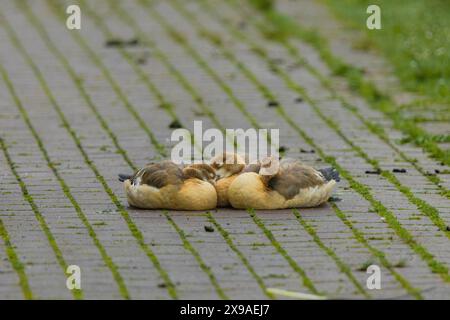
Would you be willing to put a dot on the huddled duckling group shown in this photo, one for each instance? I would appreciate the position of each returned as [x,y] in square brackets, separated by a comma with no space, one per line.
[228,180]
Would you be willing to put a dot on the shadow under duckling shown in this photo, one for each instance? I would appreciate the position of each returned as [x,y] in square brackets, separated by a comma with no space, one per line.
[227,166]
[291,185]
[166,185]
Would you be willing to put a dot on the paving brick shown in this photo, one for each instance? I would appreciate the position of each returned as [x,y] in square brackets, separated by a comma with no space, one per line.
[113,117]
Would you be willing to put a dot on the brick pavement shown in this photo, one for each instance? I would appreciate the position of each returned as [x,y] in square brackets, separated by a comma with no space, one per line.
[74,113]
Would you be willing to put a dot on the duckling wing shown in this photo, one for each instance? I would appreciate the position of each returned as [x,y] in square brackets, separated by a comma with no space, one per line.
[158,175]
[294,176]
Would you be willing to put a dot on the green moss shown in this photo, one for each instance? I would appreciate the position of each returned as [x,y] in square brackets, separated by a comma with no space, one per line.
[264,5]
[276,276]
[206,110]
[281,27]
[363,267]
[197,256]
[372,127]
[13,258]
[360,188]
[419,52]
[341,265]
[99,224]
[27,196]
[201,62]
[133,228]
[258,244]
[364,191]
[307,282]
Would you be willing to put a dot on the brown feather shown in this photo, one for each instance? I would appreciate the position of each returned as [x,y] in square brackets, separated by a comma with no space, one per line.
[294,176]
[159,175]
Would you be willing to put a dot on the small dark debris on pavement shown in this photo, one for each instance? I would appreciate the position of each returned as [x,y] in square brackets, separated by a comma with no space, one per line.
[111,43]
[294,66]
[209,229]
[175,124]
[282,149]
[133,42]
[334,199]
[447,228]
[162,285]
[377,171]
[141,60]
[307,151]
[399,170]
[299,99]
[272,104]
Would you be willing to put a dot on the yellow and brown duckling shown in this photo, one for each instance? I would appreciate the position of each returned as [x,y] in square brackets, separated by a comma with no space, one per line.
[292,185]
[227,167]
[166,185]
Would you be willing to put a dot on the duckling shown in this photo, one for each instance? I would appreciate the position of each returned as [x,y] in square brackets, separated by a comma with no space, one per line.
[293,184]
[165,185]
[227,167]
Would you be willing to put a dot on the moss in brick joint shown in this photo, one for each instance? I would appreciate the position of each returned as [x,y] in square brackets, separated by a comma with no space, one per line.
[374,128]
[168,107]
[217,79]
[78,294]
[17,265]
[133,228]
[241,256]
[421,205]
[80,213]
[197,257]
[283,27]
[341,265]
[181,79]
[171,31]
[307,138]
[199,60]
[307,282]
[376,253]
[115,86]
[434,265]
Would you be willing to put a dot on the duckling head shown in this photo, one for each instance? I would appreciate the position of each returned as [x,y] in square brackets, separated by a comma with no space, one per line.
[201,171]
[227,164]
[269,167]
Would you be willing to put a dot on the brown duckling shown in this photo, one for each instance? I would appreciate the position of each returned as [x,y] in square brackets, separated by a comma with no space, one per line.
[292,185]
[166,185]
[227,167]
